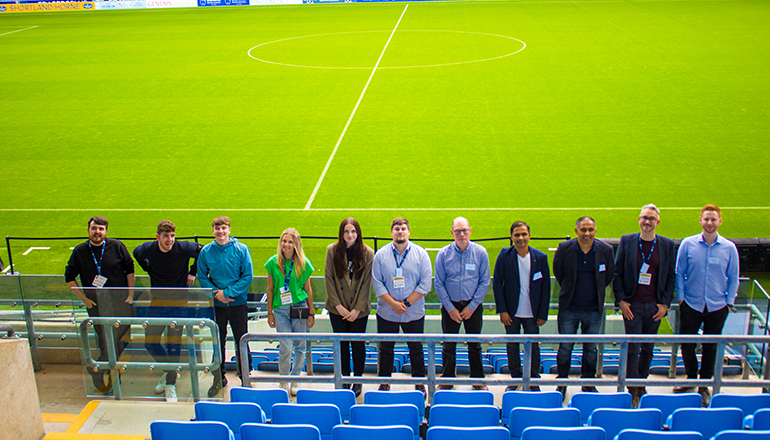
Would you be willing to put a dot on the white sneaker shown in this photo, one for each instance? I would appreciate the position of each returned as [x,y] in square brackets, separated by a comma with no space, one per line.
[285,386]
[171,394]
[160,388]
[294,388]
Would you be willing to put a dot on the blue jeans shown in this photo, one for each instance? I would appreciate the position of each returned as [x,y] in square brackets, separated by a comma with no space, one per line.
[284,324]
[589,321]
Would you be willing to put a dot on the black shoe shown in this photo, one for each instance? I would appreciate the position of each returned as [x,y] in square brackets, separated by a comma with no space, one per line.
[357,389]
[589,389]
[217,385]
[346,386]
[421,387]
[384,387]
[679,390]
[511,388]
[534,388]
[563,390]
[636,394]
[706,395]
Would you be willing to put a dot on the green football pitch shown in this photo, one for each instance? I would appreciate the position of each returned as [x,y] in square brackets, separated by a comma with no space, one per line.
[300,116]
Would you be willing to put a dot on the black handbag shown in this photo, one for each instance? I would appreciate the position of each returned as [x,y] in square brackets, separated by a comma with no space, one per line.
[299,312]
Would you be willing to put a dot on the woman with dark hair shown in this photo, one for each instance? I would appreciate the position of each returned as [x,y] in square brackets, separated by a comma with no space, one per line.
[348,277]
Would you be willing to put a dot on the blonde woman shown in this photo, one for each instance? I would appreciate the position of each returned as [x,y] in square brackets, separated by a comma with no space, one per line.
[348,276]
[288,287]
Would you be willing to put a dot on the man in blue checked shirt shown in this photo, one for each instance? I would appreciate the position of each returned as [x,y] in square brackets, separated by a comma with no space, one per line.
[401,277]
[707,270]
[462,281]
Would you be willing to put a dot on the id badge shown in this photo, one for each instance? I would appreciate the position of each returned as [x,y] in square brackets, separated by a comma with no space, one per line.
[470,266]
[285,296]
[399,282]
[645,279]
[99,281]
[645,268]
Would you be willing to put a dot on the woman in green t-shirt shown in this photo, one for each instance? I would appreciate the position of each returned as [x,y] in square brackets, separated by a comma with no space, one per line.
[288,284]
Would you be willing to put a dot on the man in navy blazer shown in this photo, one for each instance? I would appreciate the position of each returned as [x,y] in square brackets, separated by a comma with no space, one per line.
[584,268]
[522,305]
[645,278]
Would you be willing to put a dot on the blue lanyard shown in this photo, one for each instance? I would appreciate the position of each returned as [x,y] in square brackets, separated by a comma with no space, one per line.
[98,263]
[395,257]
[644,260]
[287,277]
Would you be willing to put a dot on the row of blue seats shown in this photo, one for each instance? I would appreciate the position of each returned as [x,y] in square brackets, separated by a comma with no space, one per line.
[326,418]
[179,430]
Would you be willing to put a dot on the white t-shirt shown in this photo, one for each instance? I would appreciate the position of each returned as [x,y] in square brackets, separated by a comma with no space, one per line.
[525,305]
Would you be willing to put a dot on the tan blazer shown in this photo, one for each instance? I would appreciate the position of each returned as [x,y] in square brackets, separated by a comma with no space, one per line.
[353,295]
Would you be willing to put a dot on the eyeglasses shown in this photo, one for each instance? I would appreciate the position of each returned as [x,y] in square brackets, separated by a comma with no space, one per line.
[461,231]
[649,219]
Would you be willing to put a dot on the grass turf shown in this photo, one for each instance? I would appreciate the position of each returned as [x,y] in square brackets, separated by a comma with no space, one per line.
[610,105]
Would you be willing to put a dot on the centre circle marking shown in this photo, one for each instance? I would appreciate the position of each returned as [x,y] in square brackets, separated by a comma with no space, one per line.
[523,46]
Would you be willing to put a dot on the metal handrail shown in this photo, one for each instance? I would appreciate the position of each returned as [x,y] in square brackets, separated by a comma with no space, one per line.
[113,364]
[527,340]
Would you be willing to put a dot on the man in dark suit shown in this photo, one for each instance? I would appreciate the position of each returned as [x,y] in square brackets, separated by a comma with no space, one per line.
[644,282]
[522,305]
[583,267]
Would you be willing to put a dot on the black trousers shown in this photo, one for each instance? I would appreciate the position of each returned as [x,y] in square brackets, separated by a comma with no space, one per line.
[690,321]
[529,325]
[238,318]
[449,349]
[339,325]
[415,348]
[640,355]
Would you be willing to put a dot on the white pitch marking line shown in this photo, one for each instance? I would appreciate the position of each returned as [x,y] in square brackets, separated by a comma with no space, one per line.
[6,269]
[344,130]
[36,249]
[13,32]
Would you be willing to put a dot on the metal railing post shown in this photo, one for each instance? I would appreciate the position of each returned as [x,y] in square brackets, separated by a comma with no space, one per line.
[336,351]
[526,373]
[622,362]
[718,366]
[431,370]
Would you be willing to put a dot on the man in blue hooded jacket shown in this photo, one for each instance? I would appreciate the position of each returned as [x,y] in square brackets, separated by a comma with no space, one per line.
[225,266]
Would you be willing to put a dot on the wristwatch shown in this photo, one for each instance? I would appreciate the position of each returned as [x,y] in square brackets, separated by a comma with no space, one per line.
[407,303]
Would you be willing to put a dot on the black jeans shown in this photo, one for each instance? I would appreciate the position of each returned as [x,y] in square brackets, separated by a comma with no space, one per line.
[238,317]
[339,325]
[529,325]
[690,321]
[449,350]
[640,355]
[415,348]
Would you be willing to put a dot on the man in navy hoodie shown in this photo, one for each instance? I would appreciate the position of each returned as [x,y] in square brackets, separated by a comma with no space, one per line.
[225,266]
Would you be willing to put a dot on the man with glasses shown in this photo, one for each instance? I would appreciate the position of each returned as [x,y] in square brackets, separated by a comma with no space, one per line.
[707,270]
[522,285]
[401,277]
[462,281]
[583,267]
[644,283]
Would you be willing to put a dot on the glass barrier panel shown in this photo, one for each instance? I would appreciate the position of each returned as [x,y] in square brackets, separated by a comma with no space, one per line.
[146,342]
[50,305]
[11,306]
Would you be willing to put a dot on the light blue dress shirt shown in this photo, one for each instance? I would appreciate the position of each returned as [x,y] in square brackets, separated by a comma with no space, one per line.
[417,274]
[707,276]
[462,276]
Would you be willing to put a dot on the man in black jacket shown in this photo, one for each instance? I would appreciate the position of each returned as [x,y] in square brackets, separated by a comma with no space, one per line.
[584,268]
[644,282]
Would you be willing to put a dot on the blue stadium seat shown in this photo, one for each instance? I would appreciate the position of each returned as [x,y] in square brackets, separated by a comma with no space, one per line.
[739,434]
[342,398]
[640,434]
[588,402]
[382,415]
[514,399]
[614,420]
[464,415]
[522,418]
[233,414]
[183,430]
[264,397]
[452,397]
[321,415]
[707,421]
[351,432]
[668,403]
[476,433]
[748,403]
[254,431]
[760,420]
[413,397]
[577,433]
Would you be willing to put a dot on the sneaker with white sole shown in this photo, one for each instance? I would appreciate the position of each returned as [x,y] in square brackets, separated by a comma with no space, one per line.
[171,394]
[160,388]
[294,389]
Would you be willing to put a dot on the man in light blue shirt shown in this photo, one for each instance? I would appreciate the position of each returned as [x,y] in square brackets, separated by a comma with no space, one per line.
[401,277]
[462,281]
[707,270]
